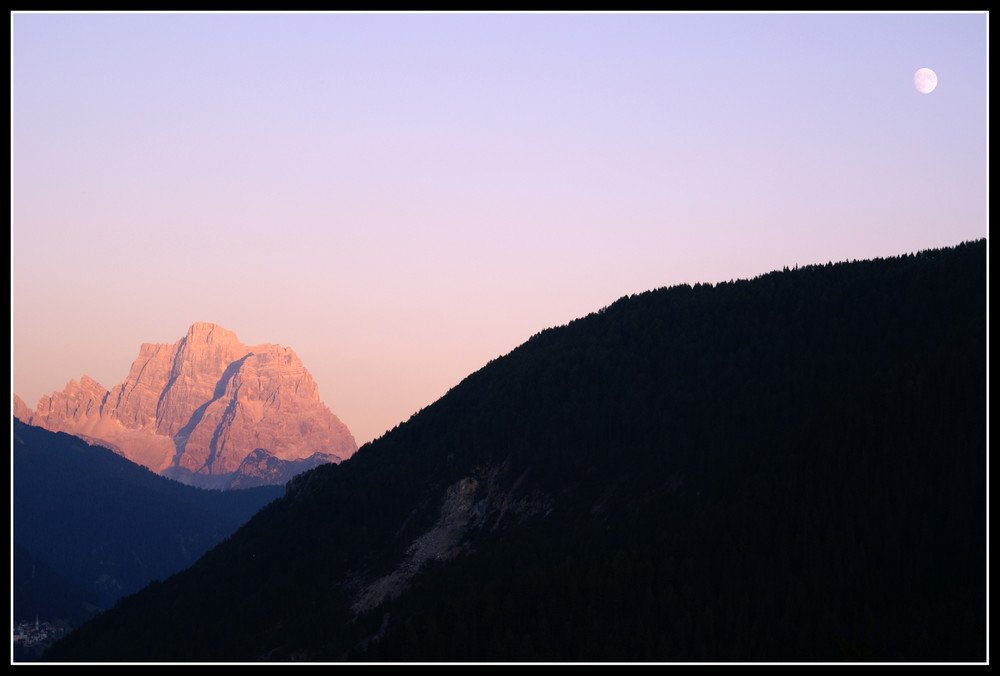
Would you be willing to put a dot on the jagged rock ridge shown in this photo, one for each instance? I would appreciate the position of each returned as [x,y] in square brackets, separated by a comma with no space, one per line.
[261,468]
[196,409]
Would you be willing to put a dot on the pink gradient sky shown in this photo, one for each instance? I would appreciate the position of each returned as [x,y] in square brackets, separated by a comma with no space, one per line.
[401,198]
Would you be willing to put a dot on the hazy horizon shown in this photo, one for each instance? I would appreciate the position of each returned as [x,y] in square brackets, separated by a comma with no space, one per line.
[400,198]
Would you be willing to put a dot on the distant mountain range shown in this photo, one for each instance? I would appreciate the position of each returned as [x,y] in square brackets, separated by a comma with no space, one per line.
[90,526]
[195,411]
[789,468]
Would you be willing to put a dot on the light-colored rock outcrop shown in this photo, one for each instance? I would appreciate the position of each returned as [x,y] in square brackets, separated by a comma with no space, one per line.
[76,408]
[199,407]
[472,503]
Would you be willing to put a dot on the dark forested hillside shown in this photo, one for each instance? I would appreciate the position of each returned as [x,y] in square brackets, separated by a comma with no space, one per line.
[787,468]
[105,525]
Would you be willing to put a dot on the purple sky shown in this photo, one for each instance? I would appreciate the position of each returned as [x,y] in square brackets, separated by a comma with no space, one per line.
[401,198]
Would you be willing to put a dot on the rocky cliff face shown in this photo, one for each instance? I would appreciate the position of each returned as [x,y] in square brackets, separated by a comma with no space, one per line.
[21,410]
[196,409]
[76,409]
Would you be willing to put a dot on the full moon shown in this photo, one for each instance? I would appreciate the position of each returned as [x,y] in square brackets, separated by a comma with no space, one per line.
[925,80]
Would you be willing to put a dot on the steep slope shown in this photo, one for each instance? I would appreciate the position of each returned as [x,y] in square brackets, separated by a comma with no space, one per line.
[38,591]
[105,524]
[195,409]
[757,470]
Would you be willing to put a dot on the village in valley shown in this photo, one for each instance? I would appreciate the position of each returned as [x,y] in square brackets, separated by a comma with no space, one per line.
[35,636]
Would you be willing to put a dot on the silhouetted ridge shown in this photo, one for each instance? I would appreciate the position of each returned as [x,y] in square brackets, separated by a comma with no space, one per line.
[749,471]
[105,524]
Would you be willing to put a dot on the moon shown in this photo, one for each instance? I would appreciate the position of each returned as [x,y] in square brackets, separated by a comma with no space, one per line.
[925,80]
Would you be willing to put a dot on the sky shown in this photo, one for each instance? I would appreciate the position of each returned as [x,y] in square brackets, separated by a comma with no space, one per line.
[401,198]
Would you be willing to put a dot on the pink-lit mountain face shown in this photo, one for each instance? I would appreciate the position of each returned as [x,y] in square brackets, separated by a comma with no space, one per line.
[196,409]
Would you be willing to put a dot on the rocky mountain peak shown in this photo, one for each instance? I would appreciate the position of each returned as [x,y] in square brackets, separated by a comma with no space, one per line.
[21,410]
[197,408]
[73,409]
[207,332]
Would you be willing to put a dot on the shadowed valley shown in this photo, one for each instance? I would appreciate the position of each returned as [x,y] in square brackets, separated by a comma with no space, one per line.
[89,526]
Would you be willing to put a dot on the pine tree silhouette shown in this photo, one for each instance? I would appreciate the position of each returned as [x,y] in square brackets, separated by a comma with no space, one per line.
[849,652]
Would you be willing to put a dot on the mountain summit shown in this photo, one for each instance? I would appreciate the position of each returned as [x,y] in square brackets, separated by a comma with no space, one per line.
[196,409]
